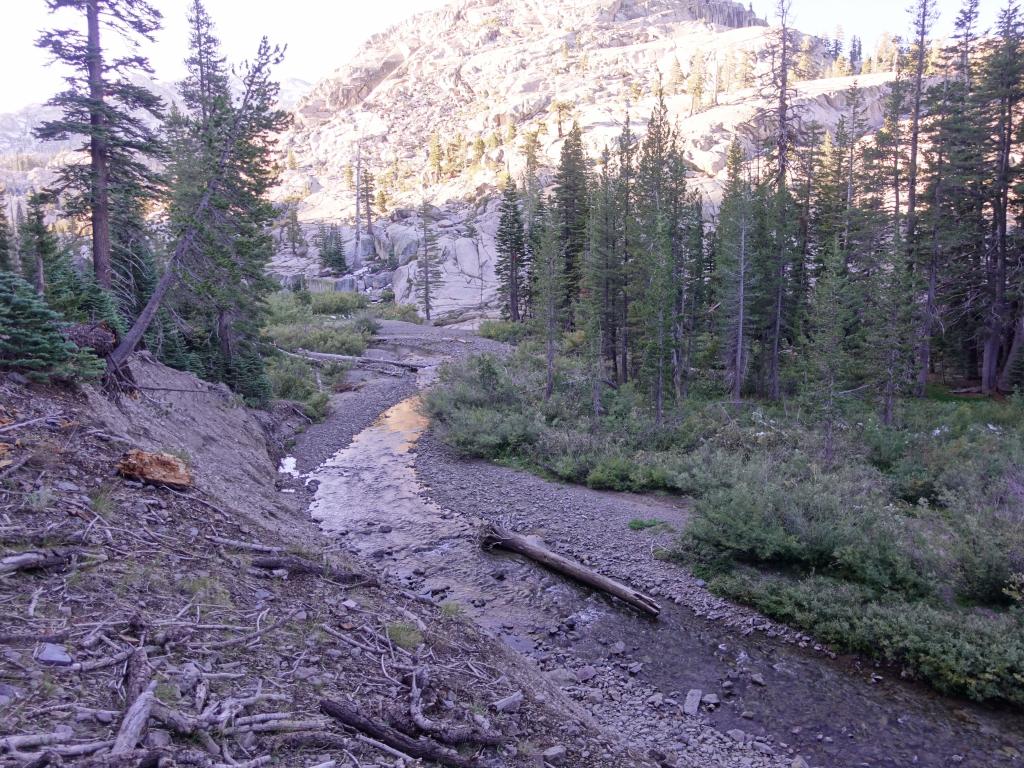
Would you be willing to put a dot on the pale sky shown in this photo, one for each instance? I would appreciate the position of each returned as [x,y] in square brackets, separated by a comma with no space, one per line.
[322,34]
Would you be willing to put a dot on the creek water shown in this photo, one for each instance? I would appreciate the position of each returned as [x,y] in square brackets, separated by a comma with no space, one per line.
[833,712]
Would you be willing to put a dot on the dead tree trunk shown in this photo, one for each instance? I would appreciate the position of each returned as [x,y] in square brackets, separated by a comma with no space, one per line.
[493,536]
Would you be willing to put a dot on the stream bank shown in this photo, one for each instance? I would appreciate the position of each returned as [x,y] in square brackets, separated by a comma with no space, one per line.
[397,497]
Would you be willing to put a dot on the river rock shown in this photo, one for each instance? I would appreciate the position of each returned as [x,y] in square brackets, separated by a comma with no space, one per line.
[692,704]
[757,679]
[53,655]
[554,755]
[711,700]
[736,734]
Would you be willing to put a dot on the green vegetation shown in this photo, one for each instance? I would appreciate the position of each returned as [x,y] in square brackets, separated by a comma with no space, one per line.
[319,322]
[901,541]
[643,525]
[503,330]
[404,635]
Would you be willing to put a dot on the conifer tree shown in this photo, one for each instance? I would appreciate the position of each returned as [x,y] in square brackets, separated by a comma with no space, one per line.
[221,142]
[30,336]
[549,268]
[697,81]
[429,277]
[676,79]
[511,267]
[332,249]
[734,273]
[104,104]
[39,248]
[6,246]
[570,210]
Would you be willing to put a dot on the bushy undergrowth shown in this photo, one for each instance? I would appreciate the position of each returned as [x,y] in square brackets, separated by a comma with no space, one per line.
[389,310]
[311,322]
[903,542]
[503,330]
[295,379]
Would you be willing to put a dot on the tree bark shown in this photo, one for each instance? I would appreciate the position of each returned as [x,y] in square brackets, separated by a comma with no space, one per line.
[99,152]
[494,536]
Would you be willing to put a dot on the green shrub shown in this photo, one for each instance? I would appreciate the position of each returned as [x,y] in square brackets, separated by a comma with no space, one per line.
[388,310]
[335,339]
[959,652]
[288,308]
[340,303]
[643,525]
[503,330]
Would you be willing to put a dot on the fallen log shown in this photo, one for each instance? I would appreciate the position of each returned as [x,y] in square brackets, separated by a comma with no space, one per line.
[368,362]
[37,560]
[295,564]
[348,714]
[495,536]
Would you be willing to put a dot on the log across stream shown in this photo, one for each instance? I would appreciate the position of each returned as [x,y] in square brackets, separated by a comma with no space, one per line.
[424,532]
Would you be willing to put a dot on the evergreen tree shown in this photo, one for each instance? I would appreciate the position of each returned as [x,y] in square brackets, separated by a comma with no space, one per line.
[6,246]
[676,80]
[30,336]
[510,267]
[549,268]
[221,142]
[39,248]
[697,81]
[429,277]
[332,249]
[368,193]
[570,210]
[734,273]
[104,104]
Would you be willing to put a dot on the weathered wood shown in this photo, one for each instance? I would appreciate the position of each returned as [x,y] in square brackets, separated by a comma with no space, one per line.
[495,536]
[348,714]
[136,718]
[36,560]
[510,703]
[448,733]
[355,360]
[295,564]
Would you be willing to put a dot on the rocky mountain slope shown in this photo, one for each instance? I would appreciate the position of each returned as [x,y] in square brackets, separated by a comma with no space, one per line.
[489,72]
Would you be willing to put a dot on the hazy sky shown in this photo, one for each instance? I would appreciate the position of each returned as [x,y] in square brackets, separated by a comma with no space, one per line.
[322,34]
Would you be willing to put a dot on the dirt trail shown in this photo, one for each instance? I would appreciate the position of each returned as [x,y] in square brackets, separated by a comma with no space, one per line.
[397,497]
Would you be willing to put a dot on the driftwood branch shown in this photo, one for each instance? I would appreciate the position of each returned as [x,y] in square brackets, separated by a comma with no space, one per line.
[364,362]
[495,536]
[136,718]
[36,560]
[300,565]
[424,748]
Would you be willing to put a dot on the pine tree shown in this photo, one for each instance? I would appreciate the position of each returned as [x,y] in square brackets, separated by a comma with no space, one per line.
[30,336]
[6,246]
[368,193]
[549,269]
[697,81]
[39,247]
[734,273]
[429,276]
[676,80]
[332,249]
[104,104]
[571,202]
[222,142]
[510,267]
[435,156]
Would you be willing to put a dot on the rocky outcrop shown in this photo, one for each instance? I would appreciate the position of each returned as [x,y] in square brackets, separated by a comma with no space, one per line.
[492,70]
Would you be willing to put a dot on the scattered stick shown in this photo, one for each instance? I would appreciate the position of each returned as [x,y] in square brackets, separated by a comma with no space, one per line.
[20,424]
[495,536]
[300,565]
[455,735]
[424,748]
[367,362]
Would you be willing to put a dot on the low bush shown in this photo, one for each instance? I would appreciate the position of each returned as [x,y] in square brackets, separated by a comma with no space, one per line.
[339,303]
[333,338]
[964,653]
[388,310]
[503,330]
[904,542]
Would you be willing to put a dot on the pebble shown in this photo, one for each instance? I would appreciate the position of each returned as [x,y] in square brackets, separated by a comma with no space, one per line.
[618,649]
[736,734]
[711,700]
[757,679]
